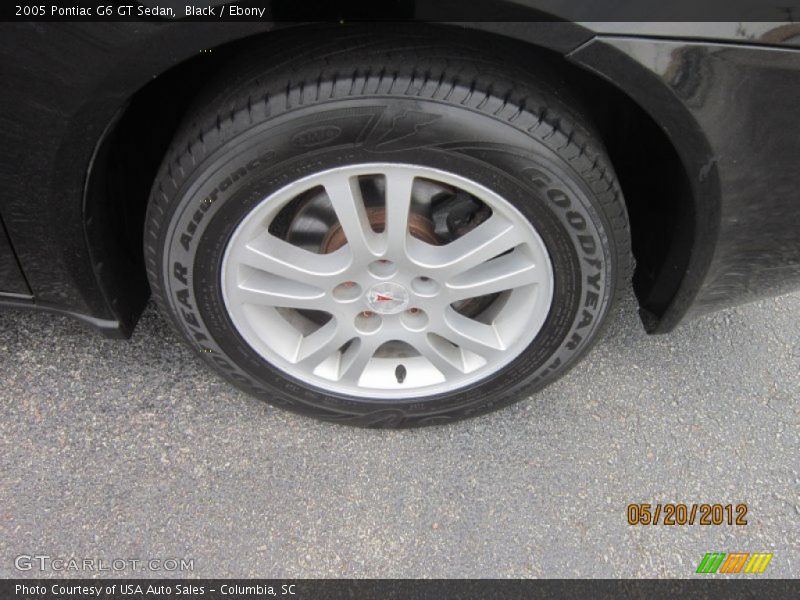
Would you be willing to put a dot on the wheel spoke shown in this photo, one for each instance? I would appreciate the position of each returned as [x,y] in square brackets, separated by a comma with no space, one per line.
[273,255]
[398,202]
[321,344]
[356,359]
[469,334]
[506,272]
[279,292]
[447,359]
[345,196]
[488,240]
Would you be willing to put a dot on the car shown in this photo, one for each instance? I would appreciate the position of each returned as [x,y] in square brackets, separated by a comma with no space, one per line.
[402,223]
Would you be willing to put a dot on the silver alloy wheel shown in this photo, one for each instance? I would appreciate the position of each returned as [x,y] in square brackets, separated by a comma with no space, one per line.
[379,316]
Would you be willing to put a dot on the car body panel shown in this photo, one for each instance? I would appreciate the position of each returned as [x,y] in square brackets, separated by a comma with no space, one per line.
[745,103]
[766,33]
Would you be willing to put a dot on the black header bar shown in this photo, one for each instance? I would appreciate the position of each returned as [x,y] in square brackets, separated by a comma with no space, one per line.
[784,11]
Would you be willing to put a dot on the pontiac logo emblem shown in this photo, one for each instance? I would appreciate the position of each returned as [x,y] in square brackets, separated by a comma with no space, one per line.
[387,298]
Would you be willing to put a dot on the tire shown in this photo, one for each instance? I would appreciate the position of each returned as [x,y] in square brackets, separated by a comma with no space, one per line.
[355,99]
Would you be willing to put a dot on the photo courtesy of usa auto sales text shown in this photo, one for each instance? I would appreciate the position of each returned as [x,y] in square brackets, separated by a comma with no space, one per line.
[60,589]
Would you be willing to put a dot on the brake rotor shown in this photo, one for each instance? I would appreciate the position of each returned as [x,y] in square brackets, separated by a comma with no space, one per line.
[419,227]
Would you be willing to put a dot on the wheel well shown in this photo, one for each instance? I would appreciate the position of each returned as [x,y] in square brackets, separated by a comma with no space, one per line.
[658,193]
[652,177]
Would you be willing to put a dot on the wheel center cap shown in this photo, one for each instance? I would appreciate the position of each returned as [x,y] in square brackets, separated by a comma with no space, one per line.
[387,298]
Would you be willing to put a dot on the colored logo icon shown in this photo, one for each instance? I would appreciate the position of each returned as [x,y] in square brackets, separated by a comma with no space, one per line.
[734,562]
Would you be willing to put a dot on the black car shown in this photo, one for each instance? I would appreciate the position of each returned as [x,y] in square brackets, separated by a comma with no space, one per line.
[396,224]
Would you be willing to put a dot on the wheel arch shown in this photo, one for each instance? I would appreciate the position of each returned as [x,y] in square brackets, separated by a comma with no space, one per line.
[662,202]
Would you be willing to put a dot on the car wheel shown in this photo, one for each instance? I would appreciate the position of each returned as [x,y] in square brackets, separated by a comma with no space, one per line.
[383,234]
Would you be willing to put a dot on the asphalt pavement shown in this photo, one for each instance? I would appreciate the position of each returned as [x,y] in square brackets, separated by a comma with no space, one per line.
[133,451]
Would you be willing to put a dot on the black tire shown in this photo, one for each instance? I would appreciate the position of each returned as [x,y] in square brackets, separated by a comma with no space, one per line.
[360,98]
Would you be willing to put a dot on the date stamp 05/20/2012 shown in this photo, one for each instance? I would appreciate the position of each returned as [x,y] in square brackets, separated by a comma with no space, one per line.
[687,514]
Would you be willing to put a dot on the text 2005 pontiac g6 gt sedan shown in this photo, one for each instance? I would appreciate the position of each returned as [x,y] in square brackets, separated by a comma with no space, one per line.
[396,224]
